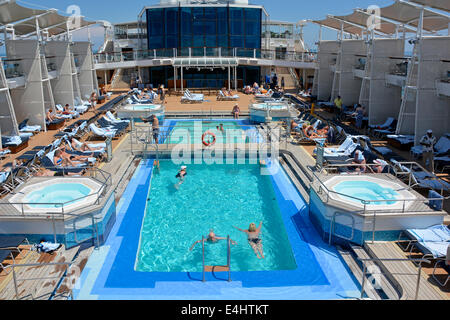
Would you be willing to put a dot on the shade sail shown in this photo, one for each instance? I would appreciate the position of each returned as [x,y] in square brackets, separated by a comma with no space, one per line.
[11,12]
[436,4]
[409,14]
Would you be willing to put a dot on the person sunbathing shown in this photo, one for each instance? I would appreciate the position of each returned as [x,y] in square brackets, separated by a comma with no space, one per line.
[52,117]
[311,133]
[60,160]
[74,159]
[81,146]
[67,111]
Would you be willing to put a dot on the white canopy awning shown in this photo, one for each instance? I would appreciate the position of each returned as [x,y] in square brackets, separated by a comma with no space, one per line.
[437,4]
[336,24]
[409,14]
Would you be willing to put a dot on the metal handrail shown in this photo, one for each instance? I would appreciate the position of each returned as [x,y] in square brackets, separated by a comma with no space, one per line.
[333,222]
[421,260]
[98,194]
[13,266]
[228,258]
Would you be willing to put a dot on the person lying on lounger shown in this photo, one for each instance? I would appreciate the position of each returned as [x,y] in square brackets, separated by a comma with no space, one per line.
[50,117]
[82,146]
[212,238]
[73,157]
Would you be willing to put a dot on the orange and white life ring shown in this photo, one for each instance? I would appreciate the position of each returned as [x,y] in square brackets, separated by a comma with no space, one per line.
[209,143]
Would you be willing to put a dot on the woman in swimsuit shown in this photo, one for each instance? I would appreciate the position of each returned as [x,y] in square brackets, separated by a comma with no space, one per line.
[254,240]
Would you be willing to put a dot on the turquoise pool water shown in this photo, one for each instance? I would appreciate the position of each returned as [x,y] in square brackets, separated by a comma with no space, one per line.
[57,193]
[212,197]
[367,190]
[195,129]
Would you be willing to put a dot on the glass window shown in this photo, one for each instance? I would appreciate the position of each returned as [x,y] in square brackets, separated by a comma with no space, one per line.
[172,21]
[198,41]
[237,41]
[156,42]
[172,42]
[236,14]
[236,27]
[222,14]
[252,42]
[251,28]
[197,14]
[222,42]
[186,41]
[252,14]
[211,41]
[222,27]
[210,14]
[209,27]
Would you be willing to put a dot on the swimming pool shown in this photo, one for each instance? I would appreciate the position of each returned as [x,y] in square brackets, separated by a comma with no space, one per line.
[112,271]
[192,131]
[212,197]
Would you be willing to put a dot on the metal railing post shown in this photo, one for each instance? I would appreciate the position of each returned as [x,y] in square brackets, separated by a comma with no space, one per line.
[54,228]
[203,258]
[373,228]
[15,282]
[363,279]
[418,281]
[229,258]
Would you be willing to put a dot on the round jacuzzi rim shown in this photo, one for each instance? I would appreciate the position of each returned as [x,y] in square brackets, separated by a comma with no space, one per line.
[36,185]
[402,194]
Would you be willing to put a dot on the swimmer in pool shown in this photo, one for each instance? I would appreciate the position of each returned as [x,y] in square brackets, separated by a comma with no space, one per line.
[180,176]
[254,239]
[211,238]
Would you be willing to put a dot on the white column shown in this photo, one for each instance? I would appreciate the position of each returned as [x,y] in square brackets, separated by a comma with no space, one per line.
[182,85]
[229,78]
[175,78]
[235,79]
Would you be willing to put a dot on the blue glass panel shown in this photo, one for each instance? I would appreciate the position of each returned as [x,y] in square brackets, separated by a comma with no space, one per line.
[222,13]
[186,41]
[211,41]
[252,28]
[172,21]
[236,14]
[236,27]
[222,27]
[222,41]
[237,41]
[252,14]
[197,13]
[198,42]
[156,42]
[252,42]
[209,27]
[210,13]
[171,41]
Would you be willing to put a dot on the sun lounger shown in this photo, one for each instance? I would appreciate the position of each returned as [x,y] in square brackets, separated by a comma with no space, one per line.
[47,162]
[446,266]
[8,244]
[223,97]
[23,127]
[441,148]
[14,143]
[91,145]
[102,132]
[389,121]
[113,119]
[188,97]
[402,142]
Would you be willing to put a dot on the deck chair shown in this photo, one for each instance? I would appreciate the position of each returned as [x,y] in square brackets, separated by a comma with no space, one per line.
[446,265]
[102,132]
[190,98]
[113,119]
[65,116]
[91,145]
[47,162]
[97,154]
[23,127]
[222,97]
[389,121]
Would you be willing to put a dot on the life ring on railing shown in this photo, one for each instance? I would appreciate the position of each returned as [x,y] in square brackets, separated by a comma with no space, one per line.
[209,143]
[307,129]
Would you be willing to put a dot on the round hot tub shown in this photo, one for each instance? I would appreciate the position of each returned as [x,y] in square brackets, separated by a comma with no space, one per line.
[52,195]
[373,192]
[275,110]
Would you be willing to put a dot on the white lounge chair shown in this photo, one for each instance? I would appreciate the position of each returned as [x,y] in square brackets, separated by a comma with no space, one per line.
[223,97]
[113,119]
[102,132]
[190,98]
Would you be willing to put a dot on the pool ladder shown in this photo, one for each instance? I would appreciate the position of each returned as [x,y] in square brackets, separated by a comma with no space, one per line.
[220,268]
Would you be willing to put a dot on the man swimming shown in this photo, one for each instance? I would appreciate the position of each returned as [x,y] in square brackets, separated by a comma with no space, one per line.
[211,238]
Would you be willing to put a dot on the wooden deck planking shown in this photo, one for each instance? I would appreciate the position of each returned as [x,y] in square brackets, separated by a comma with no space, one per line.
[404,272]
[40,287]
